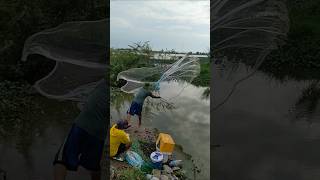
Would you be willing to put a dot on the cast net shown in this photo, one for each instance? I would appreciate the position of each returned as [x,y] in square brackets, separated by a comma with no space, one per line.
[79,50]
[182,71]
[243,32]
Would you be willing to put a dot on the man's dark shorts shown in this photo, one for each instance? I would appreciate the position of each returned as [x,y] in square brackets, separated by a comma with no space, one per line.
[80,148]
[135,108]
[121,149]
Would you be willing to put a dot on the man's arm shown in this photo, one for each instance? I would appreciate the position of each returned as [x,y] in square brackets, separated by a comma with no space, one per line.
[125,139]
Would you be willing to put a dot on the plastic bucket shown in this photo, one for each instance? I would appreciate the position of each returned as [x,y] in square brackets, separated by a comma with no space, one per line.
[156,158]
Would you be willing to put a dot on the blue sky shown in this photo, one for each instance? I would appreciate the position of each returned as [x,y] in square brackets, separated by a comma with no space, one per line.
[180,25]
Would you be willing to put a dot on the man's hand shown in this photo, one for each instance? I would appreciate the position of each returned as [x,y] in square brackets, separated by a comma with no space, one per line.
[154,96]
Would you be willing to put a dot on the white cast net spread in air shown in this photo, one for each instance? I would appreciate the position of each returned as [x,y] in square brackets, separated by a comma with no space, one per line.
[184,70]
[243,33]
[79,50]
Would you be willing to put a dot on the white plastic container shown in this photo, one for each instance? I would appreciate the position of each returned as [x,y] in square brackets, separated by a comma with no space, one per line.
[156,158]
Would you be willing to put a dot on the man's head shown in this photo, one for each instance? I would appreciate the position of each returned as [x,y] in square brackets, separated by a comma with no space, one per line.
[122,124]
[147,85]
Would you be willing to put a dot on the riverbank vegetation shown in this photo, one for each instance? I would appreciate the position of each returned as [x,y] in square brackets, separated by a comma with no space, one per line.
[140,56]
[20,19]
[299,57]
[204,77]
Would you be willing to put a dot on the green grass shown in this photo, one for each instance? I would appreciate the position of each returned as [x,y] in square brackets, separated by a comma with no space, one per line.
[130,173]
[204,77]
[136,148]
[134,173]
[123,60]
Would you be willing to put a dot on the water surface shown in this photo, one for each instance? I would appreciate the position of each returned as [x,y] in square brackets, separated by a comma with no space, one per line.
[29,156]
[188,123]
[267,129]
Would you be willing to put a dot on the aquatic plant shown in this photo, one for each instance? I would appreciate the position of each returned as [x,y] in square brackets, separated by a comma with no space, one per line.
[306,106]
[206,93]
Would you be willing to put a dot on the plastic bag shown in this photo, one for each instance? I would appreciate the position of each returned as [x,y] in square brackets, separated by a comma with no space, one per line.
[134,159]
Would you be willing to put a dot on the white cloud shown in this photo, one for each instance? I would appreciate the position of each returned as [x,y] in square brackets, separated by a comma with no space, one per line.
[117,22]
[180,25]
[189,12]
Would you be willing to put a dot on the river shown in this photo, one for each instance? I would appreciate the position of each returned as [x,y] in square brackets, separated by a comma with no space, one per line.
[268,129]
[29,154]
[188,123]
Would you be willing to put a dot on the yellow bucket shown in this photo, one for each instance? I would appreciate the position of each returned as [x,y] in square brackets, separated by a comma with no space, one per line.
[165,144]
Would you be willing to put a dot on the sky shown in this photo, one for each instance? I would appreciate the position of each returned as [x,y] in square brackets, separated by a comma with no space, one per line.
[180,25]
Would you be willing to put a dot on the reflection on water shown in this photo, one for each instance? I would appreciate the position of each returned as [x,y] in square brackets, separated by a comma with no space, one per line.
[188,120]
[29,154]
[306,108]
[264,129]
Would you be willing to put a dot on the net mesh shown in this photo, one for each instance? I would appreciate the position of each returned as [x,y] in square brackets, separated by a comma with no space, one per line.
[79,50]
[243,32]
[183,70]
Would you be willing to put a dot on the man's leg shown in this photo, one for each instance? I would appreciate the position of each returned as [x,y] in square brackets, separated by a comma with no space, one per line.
[91,156]
[95,175]
[67,155]
[139,121]
[60,172]
[130,112]
[123,148]
[139,113]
